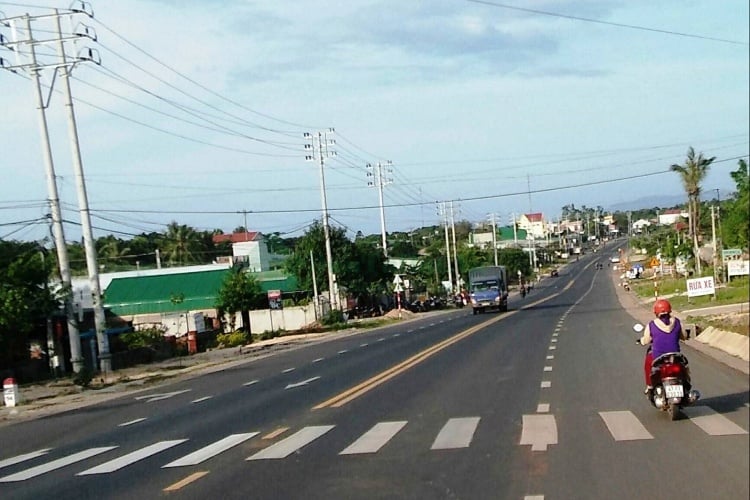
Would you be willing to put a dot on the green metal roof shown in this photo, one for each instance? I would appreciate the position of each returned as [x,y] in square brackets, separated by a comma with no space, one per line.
[179,292]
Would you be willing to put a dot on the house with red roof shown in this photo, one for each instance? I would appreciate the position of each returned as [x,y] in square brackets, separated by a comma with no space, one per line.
[533,224]
[248,247]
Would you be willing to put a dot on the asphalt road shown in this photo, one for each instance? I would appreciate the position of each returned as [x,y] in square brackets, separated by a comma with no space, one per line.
[544,401]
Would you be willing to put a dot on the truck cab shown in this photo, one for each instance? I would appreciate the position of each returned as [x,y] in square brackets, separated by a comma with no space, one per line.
[488,288]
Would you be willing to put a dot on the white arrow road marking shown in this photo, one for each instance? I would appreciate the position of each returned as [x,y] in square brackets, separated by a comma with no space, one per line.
[159,397]
[712,423]
[304,382]
[624,426]
[539,431]
[22,458]
[456,433]
[287,446]
[211,450]
[130,458]
[55,464]
[125,424]
[374,439]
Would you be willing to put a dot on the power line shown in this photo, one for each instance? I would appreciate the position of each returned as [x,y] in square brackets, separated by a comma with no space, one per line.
[608,23]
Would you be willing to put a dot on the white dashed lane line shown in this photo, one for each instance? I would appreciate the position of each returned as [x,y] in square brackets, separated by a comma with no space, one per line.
[248,384]
[200,400]
[125,424]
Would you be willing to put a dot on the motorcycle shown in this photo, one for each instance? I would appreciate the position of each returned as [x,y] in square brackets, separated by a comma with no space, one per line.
[670,379]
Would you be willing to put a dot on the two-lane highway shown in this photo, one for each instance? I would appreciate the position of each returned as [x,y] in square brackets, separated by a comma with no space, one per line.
[544,401]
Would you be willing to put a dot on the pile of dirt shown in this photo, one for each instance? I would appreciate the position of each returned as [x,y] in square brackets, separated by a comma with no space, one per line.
[394,314]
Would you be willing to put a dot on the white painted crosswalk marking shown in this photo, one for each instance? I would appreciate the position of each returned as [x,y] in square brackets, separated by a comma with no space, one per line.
[211,450]
[374,439]
[624,426]
[539,431]
[131,458]
[22,458]
[55,464]
[712,423]
[287,446]
[456,433]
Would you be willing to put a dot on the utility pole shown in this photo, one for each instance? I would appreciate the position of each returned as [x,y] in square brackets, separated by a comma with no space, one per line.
[379,182]
[444,215]
[515,230]
[455,249]
[105,358]
[34,68]
[713,237]
[319,148]
[494,236]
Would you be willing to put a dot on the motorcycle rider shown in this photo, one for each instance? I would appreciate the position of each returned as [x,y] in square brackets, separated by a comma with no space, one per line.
[664,334]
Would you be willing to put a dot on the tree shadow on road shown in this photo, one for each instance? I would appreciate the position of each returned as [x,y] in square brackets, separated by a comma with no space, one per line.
[726,403]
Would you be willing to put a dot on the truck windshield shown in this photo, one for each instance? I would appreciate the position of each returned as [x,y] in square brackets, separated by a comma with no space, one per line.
[483,286]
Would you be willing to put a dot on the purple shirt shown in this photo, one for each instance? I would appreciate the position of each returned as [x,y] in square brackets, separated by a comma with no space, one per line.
[663,341]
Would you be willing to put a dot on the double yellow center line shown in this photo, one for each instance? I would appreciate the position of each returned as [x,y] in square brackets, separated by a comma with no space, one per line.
[369,384]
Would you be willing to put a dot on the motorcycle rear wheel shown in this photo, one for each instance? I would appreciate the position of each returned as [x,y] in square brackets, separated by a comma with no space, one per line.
[674,412]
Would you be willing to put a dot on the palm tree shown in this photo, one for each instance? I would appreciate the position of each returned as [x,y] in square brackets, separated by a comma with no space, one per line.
[692,173]
[180,243]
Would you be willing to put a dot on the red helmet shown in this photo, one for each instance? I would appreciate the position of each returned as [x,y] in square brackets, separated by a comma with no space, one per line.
[662,306]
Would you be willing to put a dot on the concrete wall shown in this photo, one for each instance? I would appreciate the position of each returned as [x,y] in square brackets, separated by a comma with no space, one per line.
[291,318]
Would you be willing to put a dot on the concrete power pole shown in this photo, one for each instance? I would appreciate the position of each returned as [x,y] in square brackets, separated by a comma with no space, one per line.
[455,250]
[34,69]
[494,236]
[444,215]
[320,151]
[105,358]
[379,182]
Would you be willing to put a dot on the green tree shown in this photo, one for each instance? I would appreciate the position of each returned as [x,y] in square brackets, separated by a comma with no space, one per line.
[241,292]
[25,299]
[181,244]
[692,173]
[736,222]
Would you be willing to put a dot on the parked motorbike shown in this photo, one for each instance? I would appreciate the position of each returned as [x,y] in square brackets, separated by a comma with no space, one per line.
[670,379]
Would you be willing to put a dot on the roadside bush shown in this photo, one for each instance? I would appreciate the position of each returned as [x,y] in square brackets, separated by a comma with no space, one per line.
[232,339]
[333,318]
[147,337]
[271,335]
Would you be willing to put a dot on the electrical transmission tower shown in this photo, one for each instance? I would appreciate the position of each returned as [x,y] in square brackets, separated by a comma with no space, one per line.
[380,180]
[319,146]
[27,62]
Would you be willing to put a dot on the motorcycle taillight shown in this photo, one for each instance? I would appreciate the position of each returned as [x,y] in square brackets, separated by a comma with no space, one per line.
[671,370]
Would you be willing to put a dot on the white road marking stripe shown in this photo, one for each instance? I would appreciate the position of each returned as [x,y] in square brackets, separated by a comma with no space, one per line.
[551,356]
[624,426]
[363,345]
[374,439]
[287,370]
[398,334]
[555,334]
[552,347]
[547,368]
[130,458]
[287,446]
[533,497]
[200,400]
[211,450]
[553,340]
[456,433]
[342,352]
[539,431]
[125,424]
[381,339]
[712,423]
[318,360]
[22,458]
[546,384]
[55,464]
[542,408]
[158,397]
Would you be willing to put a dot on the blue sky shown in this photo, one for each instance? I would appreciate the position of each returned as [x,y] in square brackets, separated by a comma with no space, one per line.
[197,110]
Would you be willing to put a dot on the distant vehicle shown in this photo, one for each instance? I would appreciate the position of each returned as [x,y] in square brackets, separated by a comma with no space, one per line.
[488,288]
[614,259]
